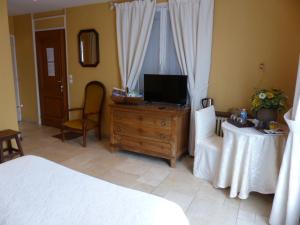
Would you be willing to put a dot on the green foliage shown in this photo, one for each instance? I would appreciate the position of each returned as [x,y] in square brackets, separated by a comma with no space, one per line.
[269,99]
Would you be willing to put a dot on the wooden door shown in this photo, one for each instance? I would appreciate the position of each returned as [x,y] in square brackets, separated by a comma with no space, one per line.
[51,60]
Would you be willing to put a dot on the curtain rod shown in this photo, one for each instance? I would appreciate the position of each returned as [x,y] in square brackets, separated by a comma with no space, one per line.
[113,2]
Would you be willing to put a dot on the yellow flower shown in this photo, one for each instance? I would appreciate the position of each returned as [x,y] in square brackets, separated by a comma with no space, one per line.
[262,95]
[256,102]
[270,95]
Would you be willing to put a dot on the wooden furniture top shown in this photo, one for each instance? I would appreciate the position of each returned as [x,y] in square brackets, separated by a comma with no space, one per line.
[7,134]
[157,107]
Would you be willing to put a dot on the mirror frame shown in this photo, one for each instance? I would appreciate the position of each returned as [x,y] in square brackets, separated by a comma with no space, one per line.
[97,48]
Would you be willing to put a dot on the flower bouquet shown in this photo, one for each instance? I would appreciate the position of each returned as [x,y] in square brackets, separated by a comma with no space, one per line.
[266,104]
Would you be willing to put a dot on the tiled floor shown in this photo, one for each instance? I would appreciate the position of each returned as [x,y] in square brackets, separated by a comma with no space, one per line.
[203,204]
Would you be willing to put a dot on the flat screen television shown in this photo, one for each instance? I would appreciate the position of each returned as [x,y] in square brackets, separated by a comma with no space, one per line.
[165,88]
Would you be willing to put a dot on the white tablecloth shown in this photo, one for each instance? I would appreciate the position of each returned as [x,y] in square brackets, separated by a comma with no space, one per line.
[250,161]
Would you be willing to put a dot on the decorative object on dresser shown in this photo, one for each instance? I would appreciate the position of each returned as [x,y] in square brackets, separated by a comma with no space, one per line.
[5,137]
[122,96]
[159,130]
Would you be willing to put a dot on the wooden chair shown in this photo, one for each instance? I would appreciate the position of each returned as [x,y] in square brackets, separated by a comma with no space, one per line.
[91,112]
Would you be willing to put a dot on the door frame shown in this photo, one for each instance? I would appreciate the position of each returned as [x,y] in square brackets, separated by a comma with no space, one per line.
[16,78]
[34,30]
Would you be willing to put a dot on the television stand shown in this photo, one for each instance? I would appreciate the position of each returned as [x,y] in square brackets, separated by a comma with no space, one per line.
[159,130]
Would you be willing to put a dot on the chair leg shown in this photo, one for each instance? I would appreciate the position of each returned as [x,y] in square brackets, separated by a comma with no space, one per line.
[62,134]
[84,138]
[99,133]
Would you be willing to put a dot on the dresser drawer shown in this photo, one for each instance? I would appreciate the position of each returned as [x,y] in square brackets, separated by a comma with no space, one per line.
[157,130]
[140,145]
[138,130]
[142,119]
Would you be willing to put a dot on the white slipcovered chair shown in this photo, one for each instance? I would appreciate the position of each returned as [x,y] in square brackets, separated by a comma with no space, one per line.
[208,145]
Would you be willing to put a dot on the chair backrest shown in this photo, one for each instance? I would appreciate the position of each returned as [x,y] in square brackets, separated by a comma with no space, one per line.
[205,120]
[93,99]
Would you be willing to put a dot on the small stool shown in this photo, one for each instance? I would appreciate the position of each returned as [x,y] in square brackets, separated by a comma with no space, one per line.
[7,136]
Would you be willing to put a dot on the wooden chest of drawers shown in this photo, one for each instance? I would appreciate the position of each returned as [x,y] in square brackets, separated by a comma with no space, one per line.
[157,130]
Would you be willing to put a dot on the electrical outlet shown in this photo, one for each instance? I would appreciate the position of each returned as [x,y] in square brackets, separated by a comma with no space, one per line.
[70,79]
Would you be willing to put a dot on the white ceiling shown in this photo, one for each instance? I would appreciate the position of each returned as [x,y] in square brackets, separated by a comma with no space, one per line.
[19,7]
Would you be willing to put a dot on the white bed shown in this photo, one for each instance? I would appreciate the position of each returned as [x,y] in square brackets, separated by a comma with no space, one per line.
[35,191]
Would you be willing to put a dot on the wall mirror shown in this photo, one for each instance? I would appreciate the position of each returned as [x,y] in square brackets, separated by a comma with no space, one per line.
[88,45]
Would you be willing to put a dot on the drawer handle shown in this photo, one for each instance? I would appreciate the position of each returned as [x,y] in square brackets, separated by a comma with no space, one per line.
[163,123]
[162,136]
[118,129]
[118,138]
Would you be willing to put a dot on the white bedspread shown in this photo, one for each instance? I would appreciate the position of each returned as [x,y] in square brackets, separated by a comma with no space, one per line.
[35,191]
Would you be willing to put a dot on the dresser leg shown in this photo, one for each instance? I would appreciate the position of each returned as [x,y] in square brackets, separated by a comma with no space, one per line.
[173,162]
[113,149]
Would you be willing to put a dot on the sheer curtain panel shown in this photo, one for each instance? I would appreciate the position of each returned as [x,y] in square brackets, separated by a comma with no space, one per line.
[161,55]
[192,24]
[286,204]
[134,23]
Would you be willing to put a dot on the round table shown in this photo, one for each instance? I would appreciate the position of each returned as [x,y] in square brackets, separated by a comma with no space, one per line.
[250,161]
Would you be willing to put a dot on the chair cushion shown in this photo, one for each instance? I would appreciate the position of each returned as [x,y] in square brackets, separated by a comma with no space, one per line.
[212,143]
[207,157]
[77,124]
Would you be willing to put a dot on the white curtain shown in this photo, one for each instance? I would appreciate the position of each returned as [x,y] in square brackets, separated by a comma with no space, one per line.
[286,204]
[134,23]
[192,25]
[161,55]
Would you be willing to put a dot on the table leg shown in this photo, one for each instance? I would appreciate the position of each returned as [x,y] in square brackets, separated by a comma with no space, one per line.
[19,146]
[1,152]
[9,148]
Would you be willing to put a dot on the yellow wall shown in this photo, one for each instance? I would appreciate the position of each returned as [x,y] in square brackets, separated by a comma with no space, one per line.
[246,33]
[101,18]
[25,61]
[8,115]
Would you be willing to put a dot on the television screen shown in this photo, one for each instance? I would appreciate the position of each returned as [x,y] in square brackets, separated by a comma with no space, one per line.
[165,88]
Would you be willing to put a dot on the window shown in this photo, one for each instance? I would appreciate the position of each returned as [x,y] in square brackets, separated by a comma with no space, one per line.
[161,55]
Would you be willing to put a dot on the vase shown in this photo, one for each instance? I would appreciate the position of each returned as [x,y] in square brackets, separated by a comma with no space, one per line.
[265,116]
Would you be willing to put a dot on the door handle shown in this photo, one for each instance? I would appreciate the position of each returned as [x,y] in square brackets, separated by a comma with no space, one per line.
[61,86]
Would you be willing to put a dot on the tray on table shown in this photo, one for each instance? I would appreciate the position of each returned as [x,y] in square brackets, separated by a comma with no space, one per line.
[240,125]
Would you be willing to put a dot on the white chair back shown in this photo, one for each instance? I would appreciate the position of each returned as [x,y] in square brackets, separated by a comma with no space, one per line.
[205,123]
